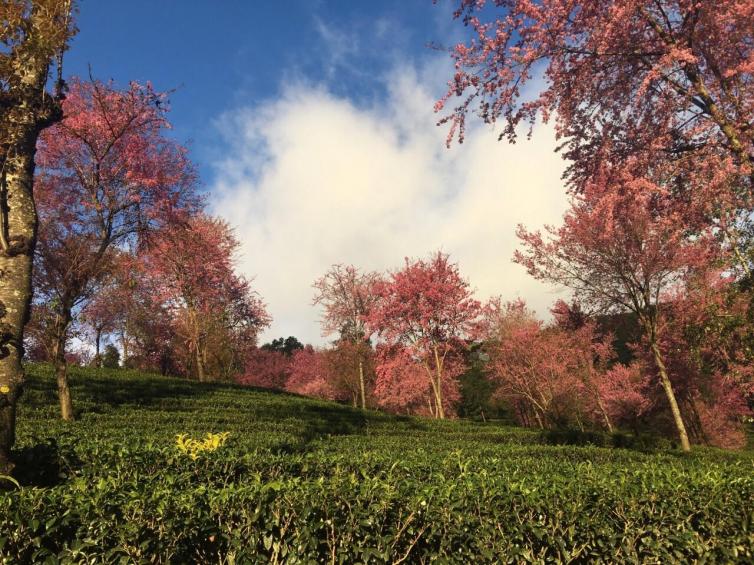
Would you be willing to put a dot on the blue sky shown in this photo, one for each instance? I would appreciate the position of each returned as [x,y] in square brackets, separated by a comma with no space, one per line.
[313,129]
[224,54]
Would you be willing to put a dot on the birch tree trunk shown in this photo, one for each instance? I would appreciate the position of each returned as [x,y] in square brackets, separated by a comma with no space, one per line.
[27,109]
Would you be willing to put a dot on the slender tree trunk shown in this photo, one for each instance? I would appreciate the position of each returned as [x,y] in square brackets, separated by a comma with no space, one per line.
[199,366]
[429,404]
[667,385]
[198,345]
[438,401]
[362,390]
[61,374]
[539,420]
[601,406]
[438,385]
[97,340]
[523,415]
[204,358]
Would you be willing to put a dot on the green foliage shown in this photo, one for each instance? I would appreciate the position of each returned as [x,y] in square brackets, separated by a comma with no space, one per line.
[286,346]
[304,481]
[569,436]
[111,357]
[477,392]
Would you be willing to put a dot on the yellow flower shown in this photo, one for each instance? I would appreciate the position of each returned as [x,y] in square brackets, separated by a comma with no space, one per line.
[5,389]
[193,447]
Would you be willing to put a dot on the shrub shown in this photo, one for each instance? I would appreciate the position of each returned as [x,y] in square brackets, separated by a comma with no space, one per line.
[305,481]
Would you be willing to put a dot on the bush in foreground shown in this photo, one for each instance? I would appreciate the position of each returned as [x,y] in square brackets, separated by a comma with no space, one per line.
[306,481]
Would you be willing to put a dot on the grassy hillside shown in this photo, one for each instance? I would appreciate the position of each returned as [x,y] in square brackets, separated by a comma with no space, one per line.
[305,481]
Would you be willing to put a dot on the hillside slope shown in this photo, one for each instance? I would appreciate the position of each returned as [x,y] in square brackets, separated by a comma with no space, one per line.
[300,480]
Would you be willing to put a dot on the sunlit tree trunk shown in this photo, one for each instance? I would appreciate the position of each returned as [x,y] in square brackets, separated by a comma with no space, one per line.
[200,366]
[437,385]
[19,229]
[362,390]
[601,406]
[198,345]
[30,110]
[650,327]
[540,423]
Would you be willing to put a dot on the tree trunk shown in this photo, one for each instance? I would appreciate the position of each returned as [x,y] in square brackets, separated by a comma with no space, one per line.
[15,299]
[666,384]
[28,110]
[61,373]
[601,406]
[199,365]
[438,401]
[205,363]
[97,340]
[362,390]
[539,420]
[18,235]
[60,364]
[124,346]
[437,386]
[197,344]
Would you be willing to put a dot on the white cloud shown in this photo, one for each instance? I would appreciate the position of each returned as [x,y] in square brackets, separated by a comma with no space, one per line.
[339,46]
[314,180]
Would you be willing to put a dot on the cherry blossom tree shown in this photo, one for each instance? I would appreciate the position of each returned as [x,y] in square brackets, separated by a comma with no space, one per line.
[708,340]
[345,295]
[308,375]
[191,263]
[593,350]
[402,385]
[535,369]
[351,368]
[265,368]
[678,72]
[428,309]
[107,176]
[33,35]
[624,79]
[623,246]
[551,374]
[623,390]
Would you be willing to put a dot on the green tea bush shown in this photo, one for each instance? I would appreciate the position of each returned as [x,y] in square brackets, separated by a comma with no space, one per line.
[303,481]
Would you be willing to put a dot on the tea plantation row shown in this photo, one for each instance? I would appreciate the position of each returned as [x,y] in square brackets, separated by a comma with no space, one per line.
[302,481]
